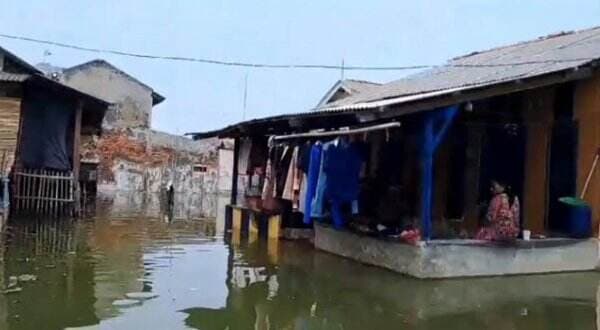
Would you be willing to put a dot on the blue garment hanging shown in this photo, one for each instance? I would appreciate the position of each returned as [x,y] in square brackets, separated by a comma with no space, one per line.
[312,178]
[342,166]
[319,197]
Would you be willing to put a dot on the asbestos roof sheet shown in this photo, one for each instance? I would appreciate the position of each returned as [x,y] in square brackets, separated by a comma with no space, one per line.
[519,61]
[479,70]
[358,86]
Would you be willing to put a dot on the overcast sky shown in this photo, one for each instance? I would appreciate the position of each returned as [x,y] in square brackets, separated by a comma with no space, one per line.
[203,97]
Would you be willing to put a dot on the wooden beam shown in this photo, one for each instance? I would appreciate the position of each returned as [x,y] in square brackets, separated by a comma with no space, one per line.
[234,172]
[77,157]
[77,140]
[485,92]
[339,132]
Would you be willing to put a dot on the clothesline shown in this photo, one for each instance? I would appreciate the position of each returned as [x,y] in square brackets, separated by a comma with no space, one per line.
[338,132]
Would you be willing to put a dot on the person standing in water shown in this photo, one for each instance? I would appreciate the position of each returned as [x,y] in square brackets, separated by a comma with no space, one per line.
[502,216]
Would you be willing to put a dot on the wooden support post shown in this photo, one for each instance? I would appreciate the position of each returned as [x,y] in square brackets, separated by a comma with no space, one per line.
[234,172]
[431,141]
[76,155]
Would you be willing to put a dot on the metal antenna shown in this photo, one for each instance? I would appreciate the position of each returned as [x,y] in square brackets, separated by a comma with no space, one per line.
[342,70]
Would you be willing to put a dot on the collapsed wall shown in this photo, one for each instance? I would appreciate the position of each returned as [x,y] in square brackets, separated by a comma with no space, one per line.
[129,166]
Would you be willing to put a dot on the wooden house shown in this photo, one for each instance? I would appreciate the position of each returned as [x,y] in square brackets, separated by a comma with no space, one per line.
[528,112]
[41,124]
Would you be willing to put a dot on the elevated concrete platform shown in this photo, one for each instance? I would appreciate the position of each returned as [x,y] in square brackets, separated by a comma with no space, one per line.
[461,258]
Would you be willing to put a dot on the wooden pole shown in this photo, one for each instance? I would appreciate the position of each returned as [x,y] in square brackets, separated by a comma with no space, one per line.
[56,195]
[338,132]
[28,200]
[40,190]
[234,172]
[76,155]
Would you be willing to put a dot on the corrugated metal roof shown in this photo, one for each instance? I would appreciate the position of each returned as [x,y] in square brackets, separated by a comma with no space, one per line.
[348,87]
[13,77]
[359,86]
[531,59]
[519,61]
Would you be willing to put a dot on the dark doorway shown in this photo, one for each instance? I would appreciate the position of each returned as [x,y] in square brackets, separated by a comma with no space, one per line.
[563,172]
[457,164]
[503,158]
[563,158]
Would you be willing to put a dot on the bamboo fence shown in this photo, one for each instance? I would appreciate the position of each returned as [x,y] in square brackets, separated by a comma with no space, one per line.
[43,192]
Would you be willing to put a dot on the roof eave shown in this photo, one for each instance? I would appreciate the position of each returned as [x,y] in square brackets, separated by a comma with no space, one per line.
[28,67]
[393,107]
[43,80]
[157,98]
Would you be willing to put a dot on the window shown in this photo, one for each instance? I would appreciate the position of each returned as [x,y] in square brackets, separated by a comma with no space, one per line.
[200,169]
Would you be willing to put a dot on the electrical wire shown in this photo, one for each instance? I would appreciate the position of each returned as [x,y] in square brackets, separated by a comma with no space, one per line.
[286,66]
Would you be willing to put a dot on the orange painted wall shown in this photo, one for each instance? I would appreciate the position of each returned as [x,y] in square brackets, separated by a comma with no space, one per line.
[537,117]
[587,112]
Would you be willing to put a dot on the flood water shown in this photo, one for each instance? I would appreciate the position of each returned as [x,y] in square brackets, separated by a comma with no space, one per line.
[205,281]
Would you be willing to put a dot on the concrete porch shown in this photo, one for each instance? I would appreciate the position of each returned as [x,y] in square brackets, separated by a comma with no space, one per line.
[461,258]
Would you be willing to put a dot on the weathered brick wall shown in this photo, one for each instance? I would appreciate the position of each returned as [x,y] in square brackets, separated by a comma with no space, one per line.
[122,156]
[132,174]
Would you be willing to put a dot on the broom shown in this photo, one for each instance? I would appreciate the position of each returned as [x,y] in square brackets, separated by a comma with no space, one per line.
[590,174]
[579,202]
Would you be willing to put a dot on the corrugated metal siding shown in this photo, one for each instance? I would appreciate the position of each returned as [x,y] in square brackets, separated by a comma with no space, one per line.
[10,114]
[13,77]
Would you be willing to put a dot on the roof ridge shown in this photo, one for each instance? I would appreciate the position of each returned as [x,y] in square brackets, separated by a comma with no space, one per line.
[525,42]
[32,69]
[156,96]
[363,81]
[105,62]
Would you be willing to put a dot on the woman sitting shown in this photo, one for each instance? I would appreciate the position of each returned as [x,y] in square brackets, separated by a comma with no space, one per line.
[502,215]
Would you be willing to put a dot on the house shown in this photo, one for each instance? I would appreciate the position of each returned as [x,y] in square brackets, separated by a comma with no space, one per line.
[42,123]
[131,163]
[527,113]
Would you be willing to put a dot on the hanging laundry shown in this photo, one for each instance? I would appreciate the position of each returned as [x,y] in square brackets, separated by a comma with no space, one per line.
[312,180]
[342,165]
[269,203]
[281,170]
[244,156]
[302,194]
[302,180]
[317,204]
[304,157]
[288,188]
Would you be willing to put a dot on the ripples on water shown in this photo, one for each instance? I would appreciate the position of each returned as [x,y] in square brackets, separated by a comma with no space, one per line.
[203,281]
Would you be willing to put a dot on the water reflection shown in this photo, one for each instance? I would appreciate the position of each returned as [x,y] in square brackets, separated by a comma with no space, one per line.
[319,291]
[193,206]
[137,204]
[64,292]
[205,281]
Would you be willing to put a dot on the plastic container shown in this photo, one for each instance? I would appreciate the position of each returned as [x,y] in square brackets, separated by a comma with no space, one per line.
[579,217]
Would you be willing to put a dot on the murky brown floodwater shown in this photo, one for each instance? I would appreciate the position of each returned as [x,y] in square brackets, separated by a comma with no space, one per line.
[204,282]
